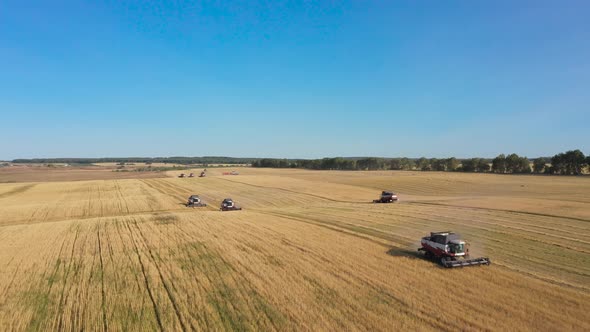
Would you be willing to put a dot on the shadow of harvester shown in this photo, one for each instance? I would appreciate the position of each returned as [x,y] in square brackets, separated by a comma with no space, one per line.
[412,254]
[400,252]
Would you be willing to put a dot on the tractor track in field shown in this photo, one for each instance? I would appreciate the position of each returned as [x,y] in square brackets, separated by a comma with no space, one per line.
[241,281]
[502,210]
[102,288]
[142,285]
[212,272]
[332,227]
[146,279]
[290,191]
[91,276]
[171,297]
[122,197]
[130,214]
[18,190]
[11,282]
[63,296]
[201,289]
[165,188]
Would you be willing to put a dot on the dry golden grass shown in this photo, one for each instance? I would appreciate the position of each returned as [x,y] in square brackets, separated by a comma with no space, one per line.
[307,253]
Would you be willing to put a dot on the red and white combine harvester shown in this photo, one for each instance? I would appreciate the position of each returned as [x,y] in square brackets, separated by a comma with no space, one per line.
[450,250]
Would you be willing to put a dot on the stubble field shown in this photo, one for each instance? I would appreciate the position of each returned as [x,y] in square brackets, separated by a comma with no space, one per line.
[308,252]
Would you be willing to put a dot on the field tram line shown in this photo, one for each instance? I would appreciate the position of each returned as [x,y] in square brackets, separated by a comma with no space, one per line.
[489,212]
[217,281]
[51,279]
[379,224]
[374,236]
[549,280]
[12,279]
[503,210]
[146,279]
[175,191]
[141,285]
[100,194]
[88,288]
[212,281]
[64,297]
[122,197]
[186,255]
[161,186]
[171,297]
[76,277]
[291,191]
[201,290]
[102,272]
[242,291]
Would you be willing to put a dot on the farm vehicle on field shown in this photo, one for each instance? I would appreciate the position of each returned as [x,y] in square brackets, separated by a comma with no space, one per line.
[387,197]
[229,205]
[450,250]
[195,201]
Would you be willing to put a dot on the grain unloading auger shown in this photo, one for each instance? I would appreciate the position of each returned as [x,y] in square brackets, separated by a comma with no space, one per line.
[449,250]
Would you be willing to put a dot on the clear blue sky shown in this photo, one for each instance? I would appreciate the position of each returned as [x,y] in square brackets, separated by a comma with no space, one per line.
[302,80]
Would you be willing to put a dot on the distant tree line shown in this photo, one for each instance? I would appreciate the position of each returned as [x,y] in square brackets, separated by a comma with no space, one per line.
[568,163]
[169,160]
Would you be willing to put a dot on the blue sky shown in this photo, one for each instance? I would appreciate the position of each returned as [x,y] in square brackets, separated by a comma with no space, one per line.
[293,79]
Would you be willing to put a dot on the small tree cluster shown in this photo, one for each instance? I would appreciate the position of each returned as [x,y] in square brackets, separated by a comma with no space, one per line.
[404,164]
[569,163]
[424,164]
[513,163]
[479,165]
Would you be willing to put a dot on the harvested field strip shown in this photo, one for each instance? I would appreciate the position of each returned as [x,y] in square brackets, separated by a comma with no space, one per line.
[512,211]
[542,258]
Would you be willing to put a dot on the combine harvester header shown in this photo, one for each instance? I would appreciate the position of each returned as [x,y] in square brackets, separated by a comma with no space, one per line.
[450,250]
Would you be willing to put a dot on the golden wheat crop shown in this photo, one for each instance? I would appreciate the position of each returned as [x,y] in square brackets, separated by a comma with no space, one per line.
[308,252]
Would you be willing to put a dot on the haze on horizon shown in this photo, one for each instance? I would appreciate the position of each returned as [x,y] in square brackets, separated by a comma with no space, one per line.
[307,80]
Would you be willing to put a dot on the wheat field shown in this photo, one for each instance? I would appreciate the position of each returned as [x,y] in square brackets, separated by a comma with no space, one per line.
[308,252]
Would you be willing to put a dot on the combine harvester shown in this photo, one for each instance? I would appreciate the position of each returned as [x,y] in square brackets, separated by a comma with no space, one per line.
[450,250]
[195,201]
[386,197]
[203,174]
[181,175]
[192,175]
[229,205]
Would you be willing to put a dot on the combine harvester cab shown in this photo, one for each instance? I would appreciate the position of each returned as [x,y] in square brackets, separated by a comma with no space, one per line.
[387,197]
[195,201]
[229,205]
[450,250]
